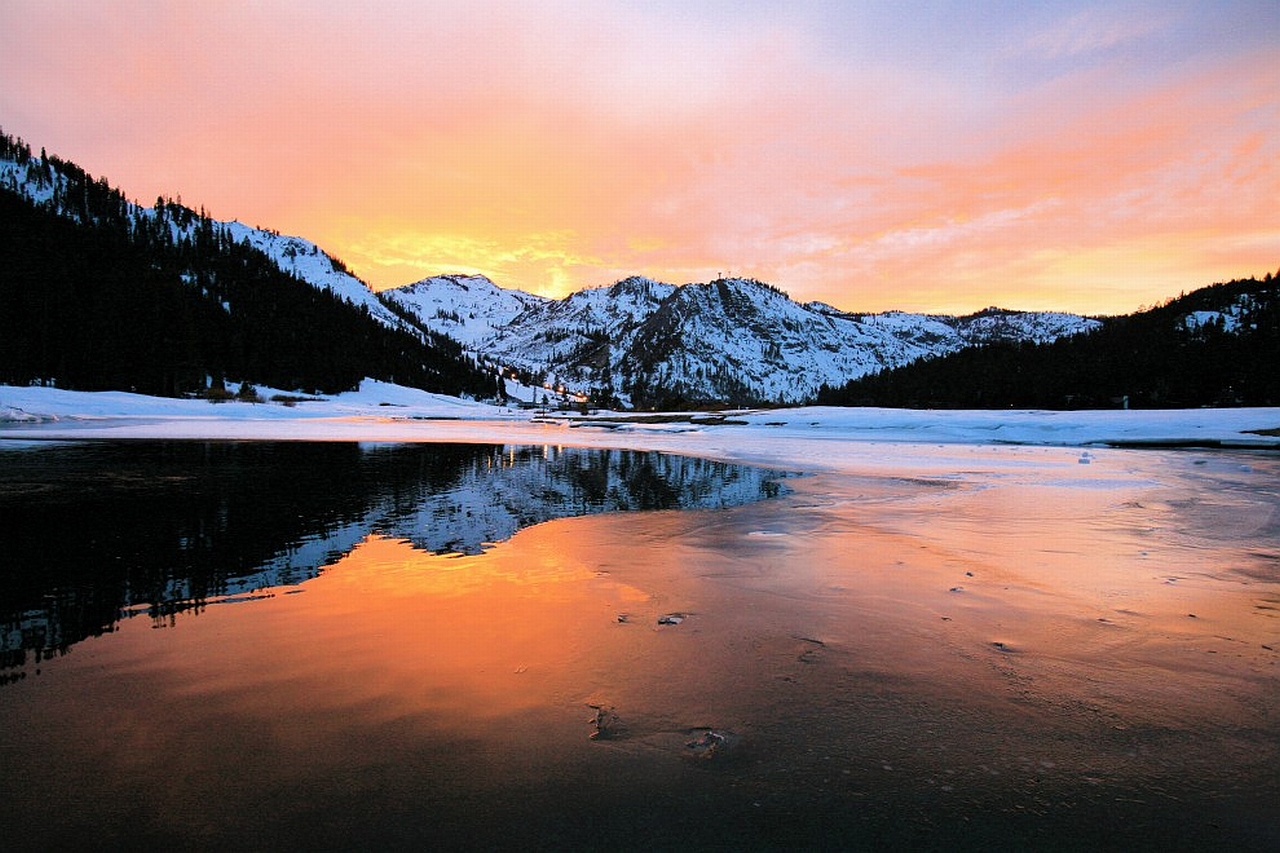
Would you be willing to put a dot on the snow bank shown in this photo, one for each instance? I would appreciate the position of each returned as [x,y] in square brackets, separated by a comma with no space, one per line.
[372,399]
[812,436]
[1118,427]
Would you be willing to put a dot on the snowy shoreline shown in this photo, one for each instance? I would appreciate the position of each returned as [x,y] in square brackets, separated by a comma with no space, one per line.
[810,437]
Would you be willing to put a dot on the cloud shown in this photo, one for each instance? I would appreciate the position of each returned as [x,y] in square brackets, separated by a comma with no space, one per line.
[1096,29]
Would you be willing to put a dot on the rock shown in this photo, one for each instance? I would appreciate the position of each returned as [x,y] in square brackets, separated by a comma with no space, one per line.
[671,618]
[606,724]
[713,744]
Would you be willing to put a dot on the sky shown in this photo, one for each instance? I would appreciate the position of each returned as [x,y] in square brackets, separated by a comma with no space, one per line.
[927,156]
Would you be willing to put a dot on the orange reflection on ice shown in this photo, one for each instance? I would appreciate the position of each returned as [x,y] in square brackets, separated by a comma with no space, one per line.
[977,632]
[471,636]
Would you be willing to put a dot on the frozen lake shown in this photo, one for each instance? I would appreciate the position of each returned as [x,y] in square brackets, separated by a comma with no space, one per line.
[336,646]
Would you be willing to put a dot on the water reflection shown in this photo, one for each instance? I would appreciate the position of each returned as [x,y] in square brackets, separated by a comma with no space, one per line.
[1027,654]
[97,531]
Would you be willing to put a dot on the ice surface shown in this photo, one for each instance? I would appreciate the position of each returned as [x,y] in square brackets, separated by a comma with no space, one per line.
[809,436]
[952,631]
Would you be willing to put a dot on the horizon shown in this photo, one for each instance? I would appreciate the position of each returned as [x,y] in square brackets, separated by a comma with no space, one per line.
[1090,158]
[719,275]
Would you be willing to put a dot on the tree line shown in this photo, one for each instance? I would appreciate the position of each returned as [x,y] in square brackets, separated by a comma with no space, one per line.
[97,293]
[1163,357]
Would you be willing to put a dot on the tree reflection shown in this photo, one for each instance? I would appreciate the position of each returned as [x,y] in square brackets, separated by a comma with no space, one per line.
[99,531]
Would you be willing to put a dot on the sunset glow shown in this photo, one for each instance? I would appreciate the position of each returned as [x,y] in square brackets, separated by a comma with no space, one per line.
[1091,157]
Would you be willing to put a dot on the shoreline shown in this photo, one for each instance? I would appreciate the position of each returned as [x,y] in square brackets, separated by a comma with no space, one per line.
[802,439]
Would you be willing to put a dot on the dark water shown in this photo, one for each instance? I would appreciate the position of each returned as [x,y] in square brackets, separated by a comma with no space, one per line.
[330,646]
[97,531]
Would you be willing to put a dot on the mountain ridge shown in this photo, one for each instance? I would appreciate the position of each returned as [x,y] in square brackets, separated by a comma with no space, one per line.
[47,182]
[738,341]
[102,293]
[1215,346]
[636,342]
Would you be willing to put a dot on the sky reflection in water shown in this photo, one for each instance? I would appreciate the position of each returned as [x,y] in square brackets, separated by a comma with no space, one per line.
[1061,657]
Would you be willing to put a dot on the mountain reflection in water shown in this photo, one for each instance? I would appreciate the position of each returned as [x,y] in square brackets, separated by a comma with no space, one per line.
[971,648]
[101,530]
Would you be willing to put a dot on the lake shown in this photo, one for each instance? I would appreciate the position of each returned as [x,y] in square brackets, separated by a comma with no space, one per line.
[309,645]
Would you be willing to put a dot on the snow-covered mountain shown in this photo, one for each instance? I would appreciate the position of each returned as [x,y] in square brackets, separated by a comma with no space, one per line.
[312,264]
[467,308]
[637,342]
[43,180]
[739,341]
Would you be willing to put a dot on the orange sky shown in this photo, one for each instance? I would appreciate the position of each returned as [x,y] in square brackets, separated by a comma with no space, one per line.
[1092,157]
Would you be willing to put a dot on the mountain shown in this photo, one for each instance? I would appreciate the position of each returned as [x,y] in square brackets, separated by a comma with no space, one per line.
[467,308]
[733,341]
[99,292]
[1218,345]
[102,293]
[308,262]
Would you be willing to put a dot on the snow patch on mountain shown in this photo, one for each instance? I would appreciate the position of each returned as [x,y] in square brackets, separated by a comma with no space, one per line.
[996,324]
[1231,318]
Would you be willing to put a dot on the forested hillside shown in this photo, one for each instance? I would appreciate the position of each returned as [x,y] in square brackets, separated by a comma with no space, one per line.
[1217,346]
[98,293]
